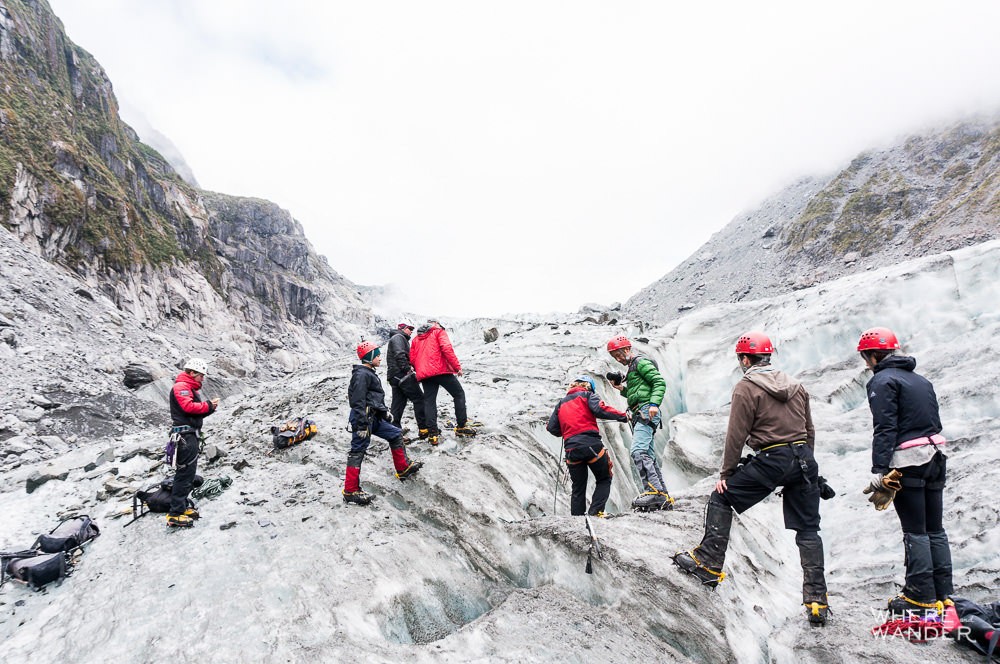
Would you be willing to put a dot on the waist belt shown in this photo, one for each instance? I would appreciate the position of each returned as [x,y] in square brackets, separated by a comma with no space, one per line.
[603,451]
[795,445]
[936,439]
[183,429]
[771,447]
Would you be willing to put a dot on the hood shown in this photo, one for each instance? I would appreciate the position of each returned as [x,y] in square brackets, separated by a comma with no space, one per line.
[778,384]
[397,332]
[574,390]
[189,380]
[904,362]
[424,329]
[360,367]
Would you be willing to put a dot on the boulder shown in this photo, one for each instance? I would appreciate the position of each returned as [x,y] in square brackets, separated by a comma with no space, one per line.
[491,335]
[113,486]
[17,445]
[39,478]
[43,402]
[30,414]
[137,375]
[54,443]
[213,452]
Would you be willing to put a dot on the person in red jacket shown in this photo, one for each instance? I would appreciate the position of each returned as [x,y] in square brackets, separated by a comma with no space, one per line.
[434,360]
[187,411]
[575,419]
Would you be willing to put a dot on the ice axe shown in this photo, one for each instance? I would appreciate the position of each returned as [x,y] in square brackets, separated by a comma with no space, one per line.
[595,546]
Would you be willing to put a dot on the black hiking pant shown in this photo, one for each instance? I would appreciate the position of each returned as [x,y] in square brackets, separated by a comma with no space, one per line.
[581,460]
[451,385]
[408,389]
[187,463]
[794,469]
[920,507]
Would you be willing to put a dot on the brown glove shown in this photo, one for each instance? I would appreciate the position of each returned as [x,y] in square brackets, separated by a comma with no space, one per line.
[883,489]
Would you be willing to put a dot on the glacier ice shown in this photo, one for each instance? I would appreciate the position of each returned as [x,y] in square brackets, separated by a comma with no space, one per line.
[469,562]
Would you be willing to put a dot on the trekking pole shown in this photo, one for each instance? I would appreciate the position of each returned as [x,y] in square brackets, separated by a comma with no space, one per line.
[555,484]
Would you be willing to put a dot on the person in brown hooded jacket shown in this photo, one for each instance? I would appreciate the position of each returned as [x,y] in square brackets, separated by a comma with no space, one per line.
[769,413]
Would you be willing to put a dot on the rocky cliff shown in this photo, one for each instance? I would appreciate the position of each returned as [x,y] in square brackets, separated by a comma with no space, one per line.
[928,193]
[79,189]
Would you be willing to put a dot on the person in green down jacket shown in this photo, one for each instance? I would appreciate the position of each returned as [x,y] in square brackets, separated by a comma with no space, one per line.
[643,387]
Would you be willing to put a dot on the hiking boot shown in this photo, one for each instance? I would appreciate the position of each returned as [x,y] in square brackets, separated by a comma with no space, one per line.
[179,521]
[422,434]
[817,613]
[905,607]
[688,563]
[652,501]
[358,497]
[409,470]
[192,513]
[465,431]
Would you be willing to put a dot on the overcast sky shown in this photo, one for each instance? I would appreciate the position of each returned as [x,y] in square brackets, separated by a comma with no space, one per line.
[489,157]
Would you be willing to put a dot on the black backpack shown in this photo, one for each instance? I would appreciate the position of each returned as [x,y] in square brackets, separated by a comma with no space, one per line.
[34,568]
[68,535]
[49,558]
[157,498]
[293,431]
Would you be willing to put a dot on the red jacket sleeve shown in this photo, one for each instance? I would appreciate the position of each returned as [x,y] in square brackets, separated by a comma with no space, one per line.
[185,399]
[448,352]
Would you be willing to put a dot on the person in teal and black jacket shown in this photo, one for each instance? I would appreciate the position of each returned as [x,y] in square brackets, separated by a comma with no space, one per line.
[643,388]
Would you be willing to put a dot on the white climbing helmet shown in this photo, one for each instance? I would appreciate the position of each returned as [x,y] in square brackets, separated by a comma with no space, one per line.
[197,365]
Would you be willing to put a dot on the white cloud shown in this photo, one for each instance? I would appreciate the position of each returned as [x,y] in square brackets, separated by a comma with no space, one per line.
[489,157]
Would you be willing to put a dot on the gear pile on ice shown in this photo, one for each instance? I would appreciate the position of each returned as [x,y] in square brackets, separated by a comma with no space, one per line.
[52,556]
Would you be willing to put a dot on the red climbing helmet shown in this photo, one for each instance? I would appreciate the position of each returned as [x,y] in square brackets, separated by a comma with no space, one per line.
[754,343]
[366,347]
[878,338]
[618,343]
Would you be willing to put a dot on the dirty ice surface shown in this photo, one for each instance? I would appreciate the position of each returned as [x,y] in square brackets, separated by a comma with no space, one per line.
[476,559]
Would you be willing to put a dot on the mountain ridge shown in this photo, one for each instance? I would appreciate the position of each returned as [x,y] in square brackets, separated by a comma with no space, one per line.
[84,192]
[928,193]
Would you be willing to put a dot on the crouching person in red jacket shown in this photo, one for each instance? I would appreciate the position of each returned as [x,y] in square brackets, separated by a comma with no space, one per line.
[369,417]
[187,411]
[575,419]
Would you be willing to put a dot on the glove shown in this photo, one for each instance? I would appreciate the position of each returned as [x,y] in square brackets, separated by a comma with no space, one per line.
[883,489]
[888,481]
[614,377]
[385,416]
[362,430]
[826,491]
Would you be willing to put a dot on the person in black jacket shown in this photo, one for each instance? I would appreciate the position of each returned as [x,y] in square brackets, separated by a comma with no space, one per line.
[403,379]
[575,419]
[907,437]
[369,417]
